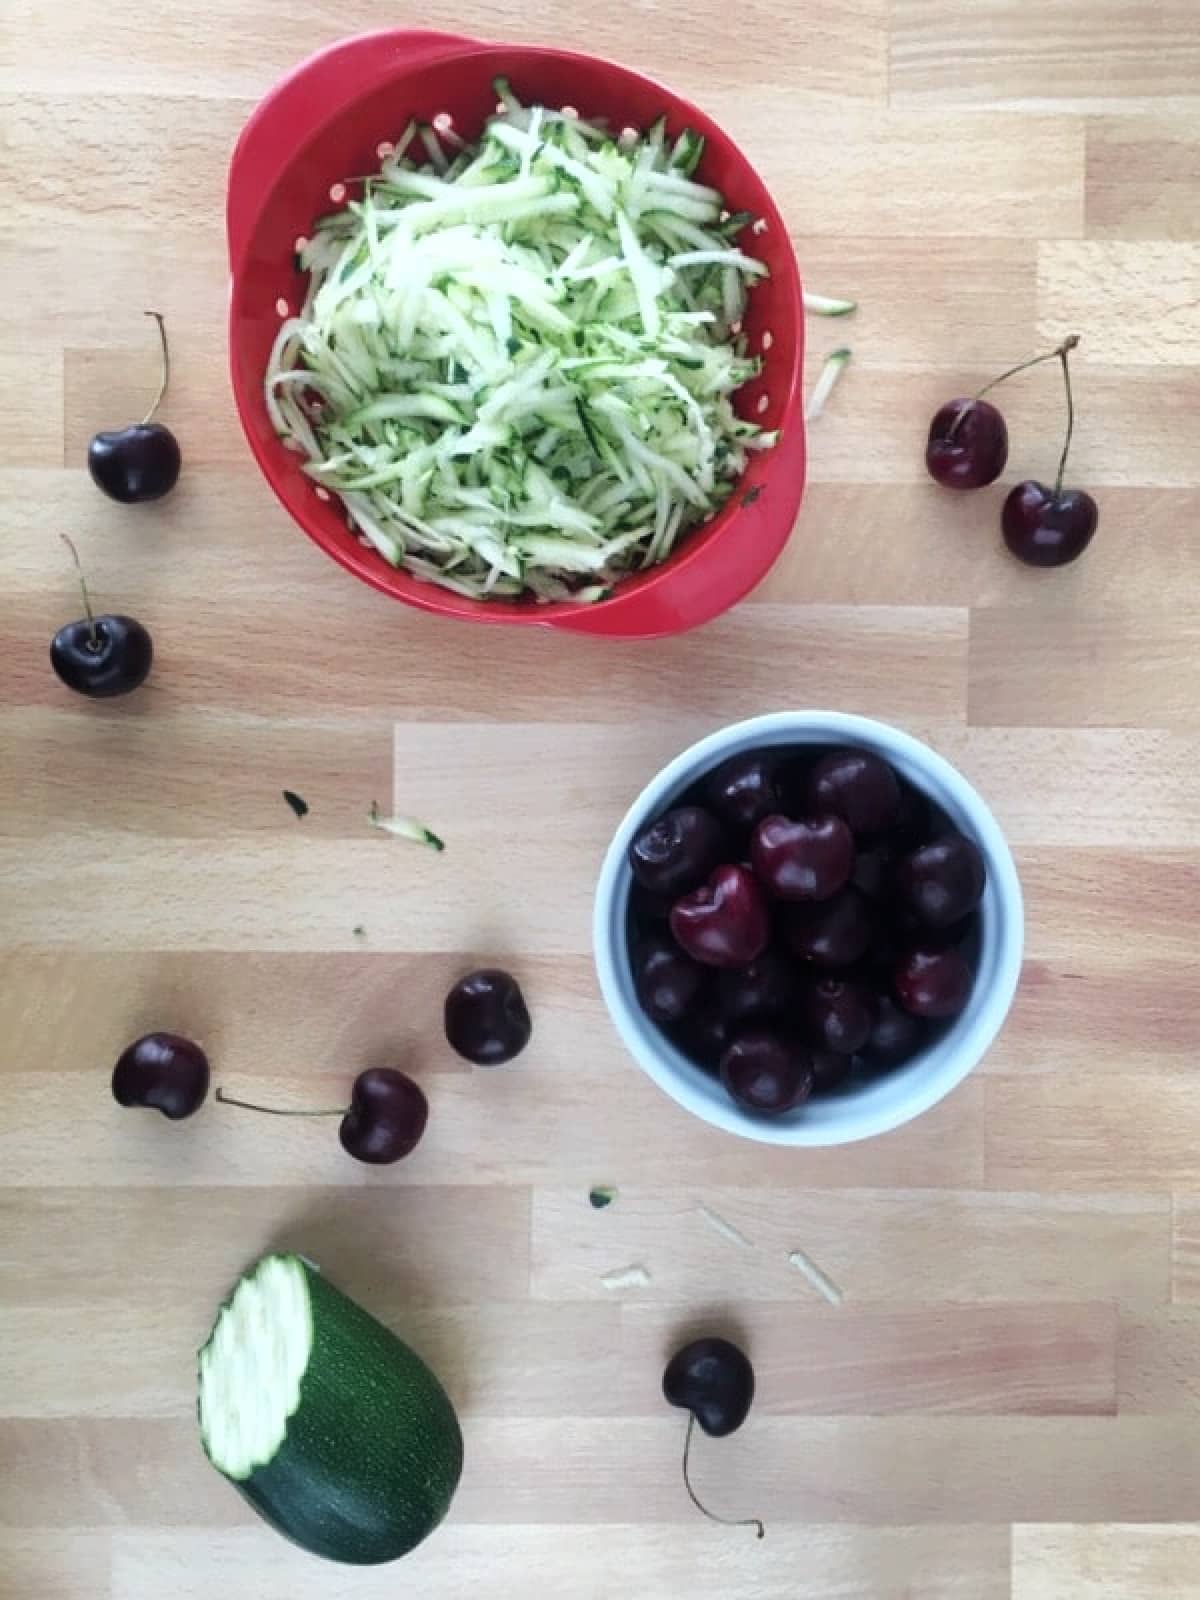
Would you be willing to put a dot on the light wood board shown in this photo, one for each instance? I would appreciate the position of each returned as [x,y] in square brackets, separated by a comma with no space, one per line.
[1007,1404]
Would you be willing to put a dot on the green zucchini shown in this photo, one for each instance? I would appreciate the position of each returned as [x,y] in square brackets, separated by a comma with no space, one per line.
[334,1430]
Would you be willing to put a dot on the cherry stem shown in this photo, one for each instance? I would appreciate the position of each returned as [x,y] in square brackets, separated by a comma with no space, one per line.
[728,1522]
[1062,460]
[1059,353]
[94,643]
[277,1111]
[166,366]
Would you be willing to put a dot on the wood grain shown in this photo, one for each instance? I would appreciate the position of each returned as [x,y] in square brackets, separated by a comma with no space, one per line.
[1128,295]
[143,1473]
[1006,1405]
[1143,176]
[1110,669]
[1185,1279]
[548,1135]
[1106,1563]
[893,1358]
[637,1560]
[1078,54]
[1079,1130]
[912,1246]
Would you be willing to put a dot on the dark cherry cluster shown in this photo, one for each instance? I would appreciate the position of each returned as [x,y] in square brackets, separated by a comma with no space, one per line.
[799,919]
[486,1020]
[968,449]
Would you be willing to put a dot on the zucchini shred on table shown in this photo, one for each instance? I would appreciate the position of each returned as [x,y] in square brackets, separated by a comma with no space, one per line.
[515,362]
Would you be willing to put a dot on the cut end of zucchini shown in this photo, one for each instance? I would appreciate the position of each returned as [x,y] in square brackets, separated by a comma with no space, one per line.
[251,1367]
[338,1434]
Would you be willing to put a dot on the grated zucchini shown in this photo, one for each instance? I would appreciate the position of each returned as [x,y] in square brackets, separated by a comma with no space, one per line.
[515,361]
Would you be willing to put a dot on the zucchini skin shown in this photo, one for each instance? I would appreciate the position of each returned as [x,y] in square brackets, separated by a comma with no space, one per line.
[372,1454]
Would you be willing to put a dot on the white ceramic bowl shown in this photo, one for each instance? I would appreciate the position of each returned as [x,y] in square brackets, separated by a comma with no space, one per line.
[898,1096]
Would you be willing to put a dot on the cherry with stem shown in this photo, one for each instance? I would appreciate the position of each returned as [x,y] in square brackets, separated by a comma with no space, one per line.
[383,1122]
[1051,527]
[104,656]
[713,1380]
[968,437]
[142,460]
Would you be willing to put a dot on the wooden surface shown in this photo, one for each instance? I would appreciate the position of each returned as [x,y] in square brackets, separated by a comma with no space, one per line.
[1008,1401]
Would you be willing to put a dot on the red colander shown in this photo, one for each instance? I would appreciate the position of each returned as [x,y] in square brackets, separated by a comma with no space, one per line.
[322,124]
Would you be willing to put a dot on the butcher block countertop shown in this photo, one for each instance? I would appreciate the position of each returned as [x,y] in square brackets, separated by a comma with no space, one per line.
[1007,1402]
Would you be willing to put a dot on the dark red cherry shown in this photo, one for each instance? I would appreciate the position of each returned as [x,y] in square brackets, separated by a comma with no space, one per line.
[943,881]
[102,656]
[725,923]
[1050,527]
[896,1035]
[806,860]
[766,1072]
[136,463]
[743,790]
[667,983]
[835,932]
[486,1019]
[933,983]
[383,1123]
[675,853]
[836,1014]
[765,988]
[857,786]
[386,1119]
[713,1380]
[1045,528]
[968,444]
[141,461]
[164,1071]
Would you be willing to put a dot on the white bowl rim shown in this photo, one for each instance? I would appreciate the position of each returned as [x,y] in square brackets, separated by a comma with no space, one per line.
[908,1091]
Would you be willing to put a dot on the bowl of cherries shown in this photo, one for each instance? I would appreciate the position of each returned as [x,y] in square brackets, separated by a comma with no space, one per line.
[808,928]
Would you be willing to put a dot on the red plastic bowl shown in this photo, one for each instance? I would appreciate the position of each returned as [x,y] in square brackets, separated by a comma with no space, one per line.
[321,125]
